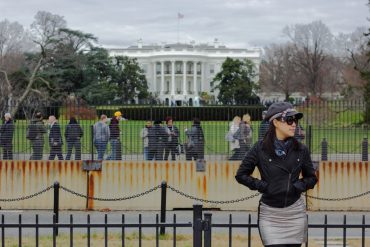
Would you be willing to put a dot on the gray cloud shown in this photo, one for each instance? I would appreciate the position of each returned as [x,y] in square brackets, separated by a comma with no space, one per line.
[234,22]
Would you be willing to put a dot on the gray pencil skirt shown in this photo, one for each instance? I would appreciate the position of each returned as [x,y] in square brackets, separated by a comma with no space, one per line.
[283,225]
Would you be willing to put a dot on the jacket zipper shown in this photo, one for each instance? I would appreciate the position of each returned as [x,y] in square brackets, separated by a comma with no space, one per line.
[287,191]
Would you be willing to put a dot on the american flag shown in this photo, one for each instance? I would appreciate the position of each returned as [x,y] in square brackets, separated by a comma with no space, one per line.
[180,16]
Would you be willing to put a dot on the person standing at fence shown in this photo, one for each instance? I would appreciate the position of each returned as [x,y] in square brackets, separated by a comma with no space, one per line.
[157,136]
[264,125]
[6,137]
[280,159]
[195,143]
[172,142]
[244,136]
[55,139]
[144,134]
[101,136]
[115,140]
[35,133]
[73,135]
[234,143]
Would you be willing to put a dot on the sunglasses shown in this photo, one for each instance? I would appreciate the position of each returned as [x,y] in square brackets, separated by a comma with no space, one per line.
[289,120]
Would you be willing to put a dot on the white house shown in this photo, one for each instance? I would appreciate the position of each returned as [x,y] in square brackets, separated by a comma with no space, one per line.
[178,73]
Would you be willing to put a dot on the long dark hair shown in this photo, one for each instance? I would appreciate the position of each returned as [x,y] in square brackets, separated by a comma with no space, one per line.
[269,138]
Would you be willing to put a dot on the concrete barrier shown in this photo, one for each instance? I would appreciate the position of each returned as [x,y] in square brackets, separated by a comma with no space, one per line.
[126,178]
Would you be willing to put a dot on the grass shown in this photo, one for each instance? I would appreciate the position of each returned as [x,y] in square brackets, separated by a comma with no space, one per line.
[132,239]
[340,140]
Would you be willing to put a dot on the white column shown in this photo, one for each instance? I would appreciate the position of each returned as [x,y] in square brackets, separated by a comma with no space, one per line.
[162,77]
[202,76]
[154,85]
[172,78]
[195,78]
[184,91]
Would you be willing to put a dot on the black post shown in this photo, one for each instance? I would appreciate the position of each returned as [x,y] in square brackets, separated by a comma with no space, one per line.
[163,206]
[324,149]
[92,141]
[309,139]
[365,150]
[207,230]
[197,225]
[56,205]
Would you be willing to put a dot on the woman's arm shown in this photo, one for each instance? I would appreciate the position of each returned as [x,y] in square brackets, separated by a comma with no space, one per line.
[243,175]
[309,178]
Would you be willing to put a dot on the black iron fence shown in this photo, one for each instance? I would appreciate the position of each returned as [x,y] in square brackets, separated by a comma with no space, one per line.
[201,228]
[332,130]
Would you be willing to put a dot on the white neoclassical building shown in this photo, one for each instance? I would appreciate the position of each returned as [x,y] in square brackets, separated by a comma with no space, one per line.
[178,73]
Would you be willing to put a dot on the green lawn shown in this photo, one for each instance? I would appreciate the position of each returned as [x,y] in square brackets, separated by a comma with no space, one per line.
[340,139]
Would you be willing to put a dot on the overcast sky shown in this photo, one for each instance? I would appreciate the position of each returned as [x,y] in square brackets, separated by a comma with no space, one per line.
[236,23]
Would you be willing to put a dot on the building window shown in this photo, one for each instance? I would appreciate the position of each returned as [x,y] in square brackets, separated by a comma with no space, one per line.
[167,68]
[211,68]
[190,68]
[158,68]
[178,68]
[168,87]
[189,88]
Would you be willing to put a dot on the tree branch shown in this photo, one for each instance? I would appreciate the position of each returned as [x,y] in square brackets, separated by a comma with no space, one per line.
[36,91]
[45,82]
[10,88]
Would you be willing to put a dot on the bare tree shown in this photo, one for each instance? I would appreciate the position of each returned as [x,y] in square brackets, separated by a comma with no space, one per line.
[278,72]
[13,42]
[351,50]
[45,34]
[311,44]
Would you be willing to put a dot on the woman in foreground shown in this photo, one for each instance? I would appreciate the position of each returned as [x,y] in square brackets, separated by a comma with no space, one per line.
[280,159]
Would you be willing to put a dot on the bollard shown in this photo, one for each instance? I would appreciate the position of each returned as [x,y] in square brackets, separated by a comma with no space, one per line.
[197,225]
[163,206]
[324,149]
[365,149]
[56,205]
[207,230]
[200,165]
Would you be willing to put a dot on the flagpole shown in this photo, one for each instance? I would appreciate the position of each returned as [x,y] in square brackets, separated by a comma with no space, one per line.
[178,30]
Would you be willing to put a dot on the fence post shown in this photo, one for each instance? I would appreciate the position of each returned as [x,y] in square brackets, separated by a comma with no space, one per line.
[324,149]
[56,204]
[197,225]
[92,141]
[309,139]
[365,148]
[163,206]
[207,230]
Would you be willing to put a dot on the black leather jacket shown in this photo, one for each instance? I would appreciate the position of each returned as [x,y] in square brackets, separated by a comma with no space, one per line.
[280,182]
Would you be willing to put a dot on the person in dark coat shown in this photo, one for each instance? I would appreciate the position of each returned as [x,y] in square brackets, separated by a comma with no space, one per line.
[35,133]
[6,137]
[195,141]
[73,135]
[115,142]
[286,171]
[264,125]
[172,142]
[156,137]
[55,139]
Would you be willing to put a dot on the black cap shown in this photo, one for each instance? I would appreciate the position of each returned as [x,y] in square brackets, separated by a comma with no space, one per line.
[282,109]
